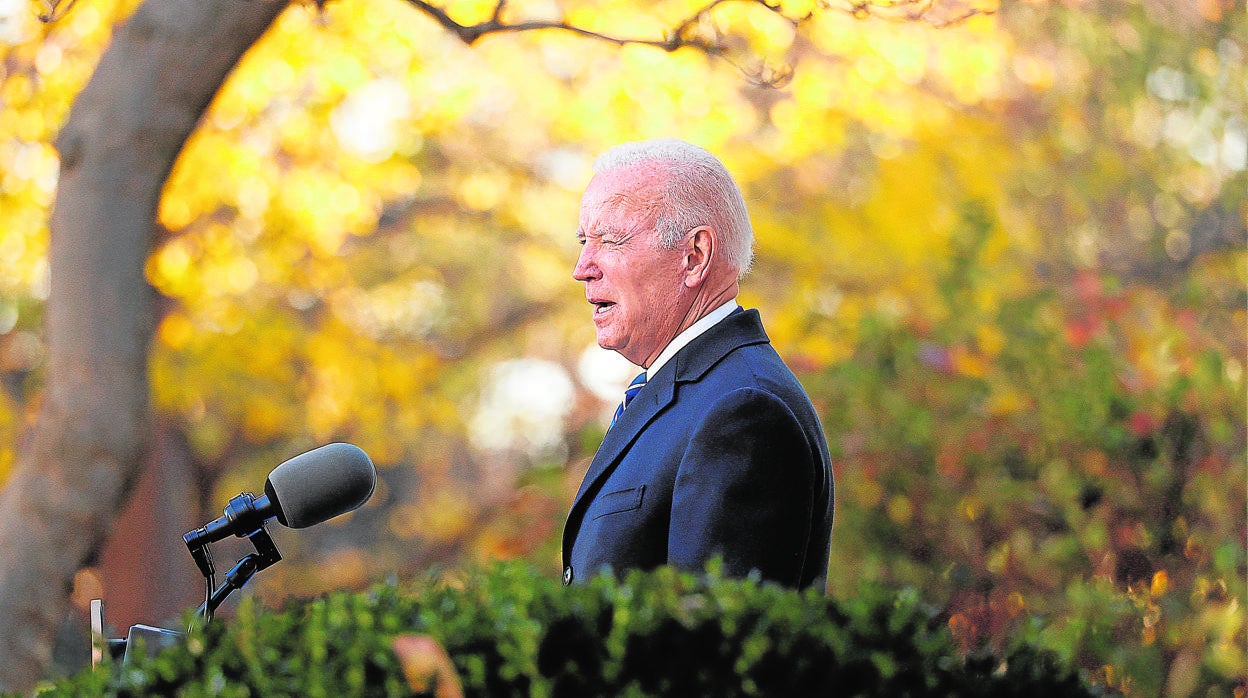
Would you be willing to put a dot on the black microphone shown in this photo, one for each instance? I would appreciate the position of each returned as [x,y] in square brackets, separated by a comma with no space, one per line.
[310,488]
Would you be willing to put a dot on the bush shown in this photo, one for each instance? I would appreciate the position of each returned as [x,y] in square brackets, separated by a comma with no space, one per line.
[510,633]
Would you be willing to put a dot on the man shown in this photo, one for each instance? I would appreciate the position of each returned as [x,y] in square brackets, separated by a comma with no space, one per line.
[718,451]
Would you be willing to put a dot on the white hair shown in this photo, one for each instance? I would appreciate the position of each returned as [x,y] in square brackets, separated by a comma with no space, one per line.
[699,191]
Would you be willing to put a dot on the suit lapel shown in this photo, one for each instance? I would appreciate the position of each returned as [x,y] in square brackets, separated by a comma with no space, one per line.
[657,394]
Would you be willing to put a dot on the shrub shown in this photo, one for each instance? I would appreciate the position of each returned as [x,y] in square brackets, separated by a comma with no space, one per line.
[511,633]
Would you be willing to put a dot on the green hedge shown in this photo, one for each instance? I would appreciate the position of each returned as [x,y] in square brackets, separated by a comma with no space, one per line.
[511,633]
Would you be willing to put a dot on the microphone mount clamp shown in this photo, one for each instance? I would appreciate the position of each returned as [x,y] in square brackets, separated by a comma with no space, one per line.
[241,514]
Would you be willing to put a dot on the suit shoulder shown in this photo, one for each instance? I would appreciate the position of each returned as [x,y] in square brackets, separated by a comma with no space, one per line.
[750,404]
[757,365]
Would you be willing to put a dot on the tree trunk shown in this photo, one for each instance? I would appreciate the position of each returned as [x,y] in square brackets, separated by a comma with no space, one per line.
[145,571]
[117,148]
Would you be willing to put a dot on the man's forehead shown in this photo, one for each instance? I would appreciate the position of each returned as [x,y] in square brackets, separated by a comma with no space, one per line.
[615,216]
[622,198]
[642,179]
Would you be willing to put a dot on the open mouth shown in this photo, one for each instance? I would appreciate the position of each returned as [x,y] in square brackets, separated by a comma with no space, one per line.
[601,307]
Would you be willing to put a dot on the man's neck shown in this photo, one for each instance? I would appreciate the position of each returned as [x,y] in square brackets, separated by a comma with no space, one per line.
[679,342]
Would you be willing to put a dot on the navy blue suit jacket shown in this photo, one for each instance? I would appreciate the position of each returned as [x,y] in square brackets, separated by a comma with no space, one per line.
[720,454]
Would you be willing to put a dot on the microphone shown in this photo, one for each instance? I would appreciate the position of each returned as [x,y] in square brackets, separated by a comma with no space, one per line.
[310,488]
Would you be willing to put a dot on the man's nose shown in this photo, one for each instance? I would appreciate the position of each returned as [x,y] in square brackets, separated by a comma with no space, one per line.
[585,269]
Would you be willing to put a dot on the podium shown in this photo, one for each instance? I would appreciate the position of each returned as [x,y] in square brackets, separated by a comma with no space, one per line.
[140,638]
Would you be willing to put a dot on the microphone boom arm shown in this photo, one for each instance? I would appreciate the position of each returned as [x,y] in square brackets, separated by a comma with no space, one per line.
[241,513]
[266,555]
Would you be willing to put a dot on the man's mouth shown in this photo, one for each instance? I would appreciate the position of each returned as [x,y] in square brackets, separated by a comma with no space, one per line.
[601,307]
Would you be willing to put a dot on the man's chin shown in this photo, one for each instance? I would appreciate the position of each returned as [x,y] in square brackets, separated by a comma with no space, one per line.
[610,343]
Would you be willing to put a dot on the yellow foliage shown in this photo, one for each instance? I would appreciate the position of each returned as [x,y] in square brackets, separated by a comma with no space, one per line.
[175,331]
[8,459]
[824,349]
[543,270]
[441,516]
[167,268]
[866,492]
[900,510]
[483,191]
[1160,584]
[971,507]
[263,419]
[1015,603]
[990,339]
[1005,401]
[768,32]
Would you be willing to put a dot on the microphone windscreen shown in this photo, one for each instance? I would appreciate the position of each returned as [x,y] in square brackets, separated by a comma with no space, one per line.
[318,485]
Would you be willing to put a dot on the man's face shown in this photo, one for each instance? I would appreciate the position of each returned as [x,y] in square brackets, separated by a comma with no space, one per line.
[634,286]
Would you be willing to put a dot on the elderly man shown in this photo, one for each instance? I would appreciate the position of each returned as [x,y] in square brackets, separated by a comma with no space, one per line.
[715,451]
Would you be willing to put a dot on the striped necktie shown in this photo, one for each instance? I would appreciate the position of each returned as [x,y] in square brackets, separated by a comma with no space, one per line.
[631,392]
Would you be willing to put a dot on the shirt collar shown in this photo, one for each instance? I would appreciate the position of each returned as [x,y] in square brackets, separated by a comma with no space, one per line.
[691,333]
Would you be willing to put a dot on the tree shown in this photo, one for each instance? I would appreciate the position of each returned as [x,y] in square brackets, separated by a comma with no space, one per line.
[127,128]
[117,149]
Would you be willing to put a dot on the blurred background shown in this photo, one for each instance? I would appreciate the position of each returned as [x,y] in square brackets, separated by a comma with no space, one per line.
[1003,247]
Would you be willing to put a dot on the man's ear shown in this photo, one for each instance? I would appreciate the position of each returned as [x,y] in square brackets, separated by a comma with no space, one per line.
[699,253]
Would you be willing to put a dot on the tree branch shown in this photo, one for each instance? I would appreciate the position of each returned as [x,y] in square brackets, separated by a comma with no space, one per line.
[54,10]
[469,33]
[685,33]
[907,11]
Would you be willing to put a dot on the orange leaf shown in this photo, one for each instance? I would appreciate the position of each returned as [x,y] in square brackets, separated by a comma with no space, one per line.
[425,661]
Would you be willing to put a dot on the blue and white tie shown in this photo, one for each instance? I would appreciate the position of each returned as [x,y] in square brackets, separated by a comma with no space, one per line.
[631,392]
